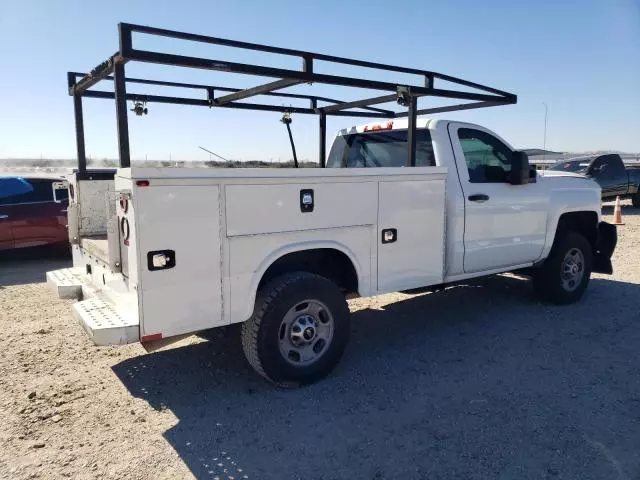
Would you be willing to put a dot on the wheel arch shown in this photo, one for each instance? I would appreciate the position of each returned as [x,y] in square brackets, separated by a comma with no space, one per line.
[581,221]
[340,265]
[328,262]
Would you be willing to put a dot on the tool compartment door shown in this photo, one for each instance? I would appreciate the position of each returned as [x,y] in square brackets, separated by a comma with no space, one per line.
[411,228]
[182,223]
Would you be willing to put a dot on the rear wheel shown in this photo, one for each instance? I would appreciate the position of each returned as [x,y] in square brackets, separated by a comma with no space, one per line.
[635,200]
[564,276]
[299,329]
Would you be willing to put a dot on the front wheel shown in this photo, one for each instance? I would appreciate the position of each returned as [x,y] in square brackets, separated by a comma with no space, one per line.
[564,276]
[299,329]
[635,200]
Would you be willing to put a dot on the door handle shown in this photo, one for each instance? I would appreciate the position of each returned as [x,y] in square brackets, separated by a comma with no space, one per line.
[389,235]
[478,197]
[3,216]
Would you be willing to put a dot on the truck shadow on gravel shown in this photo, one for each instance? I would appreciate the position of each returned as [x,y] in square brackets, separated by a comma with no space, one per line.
[478,381]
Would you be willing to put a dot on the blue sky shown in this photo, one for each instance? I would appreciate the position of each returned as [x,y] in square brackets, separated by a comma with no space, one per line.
[580,58]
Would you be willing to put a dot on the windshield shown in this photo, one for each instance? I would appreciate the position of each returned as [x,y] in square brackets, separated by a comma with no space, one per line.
[381,149]
[572,165]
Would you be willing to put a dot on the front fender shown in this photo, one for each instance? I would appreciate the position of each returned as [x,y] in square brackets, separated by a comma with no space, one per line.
[568,196]
[552,228]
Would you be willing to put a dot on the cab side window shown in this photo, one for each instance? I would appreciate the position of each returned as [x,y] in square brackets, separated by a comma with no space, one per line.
[488,159]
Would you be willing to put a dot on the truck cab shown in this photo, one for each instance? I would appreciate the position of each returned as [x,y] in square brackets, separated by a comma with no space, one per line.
[493,222]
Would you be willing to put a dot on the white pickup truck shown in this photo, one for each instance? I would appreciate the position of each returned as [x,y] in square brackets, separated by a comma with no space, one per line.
[159,253]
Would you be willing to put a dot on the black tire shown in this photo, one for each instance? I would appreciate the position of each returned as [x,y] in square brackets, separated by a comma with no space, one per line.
[635,200]
[548,281]
[262,334]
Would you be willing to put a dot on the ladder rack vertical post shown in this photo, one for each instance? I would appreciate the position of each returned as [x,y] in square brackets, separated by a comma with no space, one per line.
[323,140]
[411,133]
[121,114]
[77,110]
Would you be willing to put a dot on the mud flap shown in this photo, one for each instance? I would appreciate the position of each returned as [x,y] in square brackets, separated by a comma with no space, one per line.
[607,240]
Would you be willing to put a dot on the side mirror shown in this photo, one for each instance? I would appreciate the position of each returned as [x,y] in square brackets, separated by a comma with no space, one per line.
[520,169]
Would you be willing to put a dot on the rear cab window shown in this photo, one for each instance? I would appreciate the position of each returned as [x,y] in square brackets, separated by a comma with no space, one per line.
[380,149]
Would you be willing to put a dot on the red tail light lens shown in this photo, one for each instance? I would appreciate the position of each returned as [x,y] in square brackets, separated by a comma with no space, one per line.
[379,126]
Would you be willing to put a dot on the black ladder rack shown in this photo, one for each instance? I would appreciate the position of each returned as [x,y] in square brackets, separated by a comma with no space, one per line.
[113,69]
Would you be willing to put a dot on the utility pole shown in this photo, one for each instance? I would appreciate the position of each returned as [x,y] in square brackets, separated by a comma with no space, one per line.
[544,143]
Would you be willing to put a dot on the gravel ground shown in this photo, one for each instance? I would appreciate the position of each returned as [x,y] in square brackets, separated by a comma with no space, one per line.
[479,381]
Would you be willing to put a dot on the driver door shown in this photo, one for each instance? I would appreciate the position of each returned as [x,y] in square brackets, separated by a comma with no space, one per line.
[505,225]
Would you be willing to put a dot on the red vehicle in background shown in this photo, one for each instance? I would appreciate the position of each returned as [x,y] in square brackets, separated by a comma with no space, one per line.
[30,215]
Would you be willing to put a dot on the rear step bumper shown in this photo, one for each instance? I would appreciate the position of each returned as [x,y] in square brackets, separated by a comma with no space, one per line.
[66,282]
[105,322]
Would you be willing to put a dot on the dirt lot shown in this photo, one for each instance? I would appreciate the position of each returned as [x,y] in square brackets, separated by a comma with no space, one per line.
[478,381]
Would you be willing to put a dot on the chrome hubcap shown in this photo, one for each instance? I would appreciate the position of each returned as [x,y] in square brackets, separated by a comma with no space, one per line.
[572,269]
[303,330]
[306,332]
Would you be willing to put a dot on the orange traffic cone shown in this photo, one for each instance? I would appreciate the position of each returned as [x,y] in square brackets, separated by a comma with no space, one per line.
[617,213]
